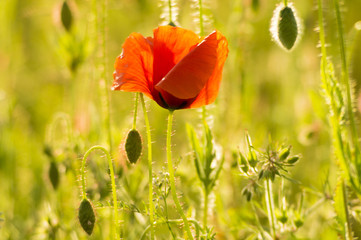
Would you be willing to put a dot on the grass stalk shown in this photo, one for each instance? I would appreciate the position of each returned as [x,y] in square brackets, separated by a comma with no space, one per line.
[205,208]
[171,175]
[270,207]
[150,166]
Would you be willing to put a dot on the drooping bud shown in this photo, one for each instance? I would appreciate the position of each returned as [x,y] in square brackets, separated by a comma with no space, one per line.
[54,174]
[86,216]
[133,146]
[285,26]
[66,16]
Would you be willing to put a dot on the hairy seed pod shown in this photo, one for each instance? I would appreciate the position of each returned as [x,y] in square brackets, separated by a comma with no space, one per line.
[66,16]
[133,146]
[285,26]
[86,216]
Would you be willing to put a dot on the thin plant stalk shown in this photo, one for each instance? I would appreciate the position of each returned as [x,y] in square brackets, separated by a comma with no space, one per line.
[270,207]
[348,230]
[338,141]
[150,168]
[205,208]
[112,177]
[285,2]
[135,110]
[105,97]
[171,176]
[345,77]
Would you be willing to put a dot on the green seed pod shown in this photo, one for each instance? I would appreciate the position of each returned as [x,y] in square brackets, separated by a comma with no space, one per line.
[66,16]
[285,26]
[86,216]
[284,154]
[282,217]
[293,159]
[133,146]
[54,174]
[243,164]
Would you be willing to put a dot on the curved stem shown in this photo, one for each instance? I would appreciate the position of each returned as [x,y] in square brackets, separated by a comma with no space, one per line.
[150,169]
[135,110]
[171,175]
[270,207]
[114,193]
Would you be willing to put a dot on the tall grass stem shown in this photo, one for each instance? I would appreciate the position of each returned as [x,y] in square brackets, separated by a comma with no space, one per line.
[270,207]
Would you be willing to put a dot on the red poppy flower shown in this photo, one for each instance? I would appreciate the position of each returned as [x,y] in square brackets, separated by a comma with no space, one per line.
[176,68]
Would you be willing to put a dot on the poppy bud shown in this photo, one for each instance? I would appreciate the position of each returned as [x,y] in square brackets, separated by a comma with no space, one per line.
[86,216]
[133,146]
[54,174]
[285,26]
[66,16]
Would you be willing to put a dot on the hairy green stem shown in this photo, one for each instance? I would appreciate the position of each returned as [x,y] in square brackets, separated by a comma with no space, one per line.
[150,167]
[270,207]
[135,110]
[112,177]
[201,28]
[348,229]
[171,175]
[345,78]
[103,68]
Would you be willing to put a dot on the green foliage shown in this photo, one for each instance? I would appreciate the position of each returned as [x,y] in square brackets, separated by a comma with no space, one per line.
[205,157]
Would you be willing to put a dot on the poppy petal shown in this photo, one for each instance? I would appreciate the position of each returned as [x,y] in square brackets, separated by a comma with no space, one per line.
[171,44]
[210,91]
[134,67]
[189,76]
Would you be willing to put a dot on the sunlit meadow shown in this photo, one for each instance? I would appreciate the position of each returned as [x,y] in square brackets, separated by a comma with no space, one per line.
[248,132]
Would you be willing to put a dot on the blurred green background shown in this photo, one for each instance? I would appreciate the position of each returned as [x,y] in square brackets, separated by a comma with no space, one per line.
[265,90]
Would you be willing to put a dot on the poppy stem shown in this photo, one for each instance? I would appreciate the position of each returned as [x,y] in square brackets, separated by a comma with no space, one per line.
[201,28]
[204,115]
[150,169]
[285,2]
[135,110]
[171,176]
[112,177]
